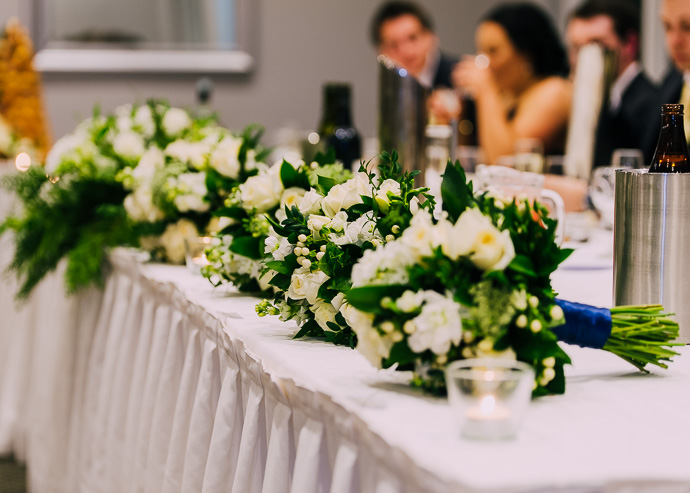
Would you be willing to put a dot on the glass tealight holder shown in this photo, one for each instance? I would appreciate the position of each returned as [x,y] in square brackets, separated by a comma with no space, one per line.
[195,253]
[489,397]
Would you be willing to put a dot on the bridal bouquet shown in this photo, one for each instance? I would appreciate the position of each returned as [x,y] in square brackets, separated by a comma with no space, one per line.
[475,283]
[238,252]
[315,247]
[147,174]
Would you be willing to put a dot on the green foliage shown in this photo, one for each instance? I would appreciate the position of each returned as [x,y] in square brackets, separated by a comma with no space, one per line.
[456,192]
[73,218]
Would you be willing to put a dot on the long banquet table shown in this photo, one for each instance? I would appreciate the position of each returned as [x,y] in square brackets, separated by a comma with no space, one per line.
[160,382]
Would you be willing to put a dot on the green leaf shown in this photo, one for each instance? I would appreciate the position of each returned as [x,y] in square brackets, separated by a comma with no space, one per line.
[249,246]
[326,183]
[368,298]
[401,354]
[455,192]
[280,266]
[233,212]
[281,281]
[284,232]
[523,265]
[292,177]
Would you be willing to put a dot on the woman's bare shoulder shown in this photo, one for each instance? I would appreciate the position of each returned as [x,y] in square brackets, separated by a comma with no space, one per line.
[551,86]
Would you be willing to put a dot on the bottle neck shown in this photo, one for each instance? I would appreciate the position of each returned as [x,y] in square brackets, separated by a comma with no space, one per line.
[336,109]
[673,132]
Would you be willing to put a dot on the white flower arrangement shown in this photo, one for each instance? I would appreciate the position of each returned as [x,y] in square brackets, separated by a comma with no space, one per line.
[314,248]
[475,283]
[248,236]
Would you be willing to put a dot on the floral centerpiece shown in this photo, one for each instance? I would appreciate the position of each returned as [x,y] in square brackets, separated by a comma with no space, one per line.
[237,254]
[147,174]
[181,170]
[476,283]
[315,247]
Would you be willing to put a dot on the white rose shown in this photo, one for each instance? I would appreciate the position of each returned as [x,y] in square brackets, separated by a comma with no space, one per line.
[150,161]
[139,206]
[296,289]
[345,195]
[494,251]
[192,192]
[339,221]
[409,301]
[338,300]
[370,343]
[464,233]
[175,121]
[475,234]
[312,283]
[438,325]
[193,153]
[224,157]
[291,197]
[316,223]
[67,144]
[311,202]
[173,238]
[250,163]
[186,203]
[261,192]
[324,313]
[144,120]
[421,236]
[382,195]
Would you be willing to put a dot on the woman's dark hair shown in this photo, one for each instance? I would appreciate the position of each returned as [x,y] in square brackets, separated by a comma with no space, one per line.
[533,34]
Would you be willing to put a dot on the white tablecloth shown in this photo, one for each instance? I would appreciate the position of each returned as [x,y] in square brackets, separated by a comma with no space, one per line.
[162,383]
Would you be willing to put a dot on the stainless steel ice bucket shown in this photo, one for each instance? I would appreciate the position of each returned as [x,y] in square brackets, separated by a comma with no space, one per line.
[652,242]
[402,115]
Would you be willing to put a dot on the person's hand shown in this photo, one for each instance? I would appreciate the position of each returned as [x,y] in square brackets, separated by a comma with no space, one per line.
[472,75]
[443,106]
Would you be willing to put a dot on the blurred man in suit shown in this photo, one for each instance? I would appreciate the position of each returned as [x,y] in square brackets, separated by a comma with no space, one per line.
[675,15]
[404,32]
[633,99]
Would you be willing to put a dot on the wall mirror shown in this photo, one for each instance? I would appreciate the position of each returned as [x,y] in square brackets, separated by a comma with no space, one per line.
[191,36]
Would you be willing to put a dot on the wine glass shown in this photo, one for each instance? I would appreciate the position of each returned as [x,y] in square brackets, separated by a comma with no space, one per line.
[627,158]
[602,191]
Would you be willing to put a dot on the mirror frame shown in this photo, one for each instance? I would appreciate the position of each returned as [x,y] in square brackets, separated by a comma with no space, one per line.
[82,58]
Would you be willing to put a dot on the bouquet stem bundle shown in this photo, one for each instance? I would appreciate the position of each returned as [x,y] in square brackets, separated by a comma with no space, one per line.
[640,335]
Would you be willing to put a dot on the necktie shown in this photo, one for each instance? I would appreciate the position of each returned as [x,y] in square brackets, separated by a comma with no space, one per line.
[685,100]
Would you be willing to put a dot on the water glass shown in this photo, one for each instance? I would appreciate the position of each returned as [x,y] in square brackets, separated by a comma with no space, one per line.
[627,158]
[489,397]
[602,191]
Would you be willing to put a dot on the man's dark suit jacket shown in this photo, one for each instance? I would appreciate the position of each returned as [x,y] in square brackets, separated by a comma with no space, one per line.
[629,126]
[444,70]
[671,87]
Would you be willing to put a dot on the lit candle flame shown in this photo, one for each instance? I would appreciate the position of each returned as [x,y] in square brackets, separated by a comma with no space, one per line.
[488,405]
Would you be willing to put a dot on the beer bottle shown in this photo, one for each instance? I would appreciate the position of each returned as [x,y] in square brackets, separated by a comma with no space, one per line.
[671,154]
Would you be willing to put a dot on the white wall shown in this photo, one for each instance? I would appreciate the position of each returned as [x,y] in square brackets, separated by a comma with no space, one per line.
[299,45]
